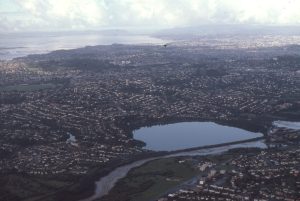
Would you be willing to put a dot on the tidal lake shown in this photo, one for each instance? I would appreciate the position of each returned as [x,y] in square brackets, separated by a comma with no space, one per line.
[189,135]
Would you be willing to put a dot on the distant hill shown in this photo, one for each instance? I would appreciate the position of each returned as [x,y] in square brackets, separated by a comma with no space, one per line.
[211,30]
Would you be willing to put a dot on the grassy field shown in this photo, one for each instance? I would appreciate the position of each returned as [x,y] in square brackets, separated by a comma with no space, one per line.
[33,87]
[153,179]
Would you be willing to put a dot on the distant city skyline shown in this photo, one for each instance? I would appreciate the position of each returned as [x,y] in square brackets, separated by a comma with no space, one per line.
[80,15]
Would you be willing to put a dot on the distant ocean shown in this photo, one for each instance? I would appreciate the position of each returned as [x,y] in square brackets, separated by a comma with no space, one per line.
[19,45]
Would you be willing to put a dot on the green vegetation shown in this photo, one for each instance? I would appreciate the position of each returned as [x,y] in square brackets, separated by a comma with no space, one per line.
[32,87]
[154,178]
[18,187]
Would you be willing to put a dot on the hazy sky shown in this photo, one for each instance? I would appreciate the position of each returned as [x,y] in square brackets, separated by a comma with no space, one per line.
[54,15]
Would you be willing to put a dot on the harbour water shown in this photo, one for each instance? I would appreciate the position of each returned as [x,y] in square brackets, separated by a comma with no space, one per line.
[23,44]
